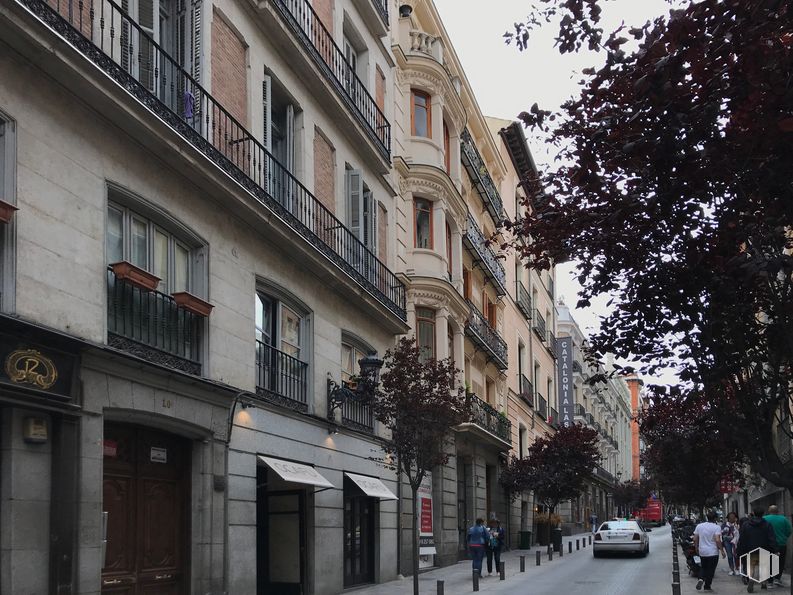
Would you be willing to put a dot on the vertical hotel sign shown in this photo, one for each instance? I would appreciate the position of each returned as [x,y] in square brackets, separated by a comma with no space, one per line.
[564,357]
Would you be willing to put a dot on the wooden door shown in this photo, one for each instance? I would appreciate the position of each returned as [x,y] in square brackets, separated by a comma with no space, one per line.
[145,496]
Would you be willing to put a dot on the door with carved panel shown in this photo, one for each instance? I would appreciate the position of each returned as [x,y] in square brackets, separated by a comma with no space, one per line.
[145,499]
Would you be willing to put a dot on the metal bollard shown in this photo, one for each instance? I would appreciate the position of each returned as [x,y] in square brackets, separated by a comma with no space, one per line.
[538,557]
[561,549]
[569,547]
[476,580]
[440,588]
[675,588]
[523,563]
[577,545]
[502,571]
[590,540]
[550,554]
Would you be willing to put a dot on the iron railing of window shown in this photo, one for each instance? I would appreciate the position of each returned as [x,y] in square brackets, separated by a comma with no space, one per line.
[480,177]
[590,420]
[329,57]
[596,426]
[550,343]
[541,406]
[538,324]
[485,416]
[481,252]
[281,378]
[523,299]
[382,9]
[603,474]
[553,417]
[480,330]
[576,367]
[526,390]
[357,415]
[579,411]
[150,325]
[116,44]
[550,286]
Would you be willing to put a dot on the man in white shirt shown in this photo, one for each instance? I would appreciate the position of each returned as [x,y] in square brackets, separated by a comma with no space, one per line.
[707,540]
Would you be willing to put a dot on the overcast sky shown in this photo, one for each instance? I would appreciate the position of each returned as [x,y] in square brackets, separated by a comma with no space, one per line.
[507,81]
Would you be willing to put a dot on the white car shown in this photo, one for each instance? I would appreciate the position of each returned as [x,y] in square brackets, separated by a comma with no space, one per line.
[620,536]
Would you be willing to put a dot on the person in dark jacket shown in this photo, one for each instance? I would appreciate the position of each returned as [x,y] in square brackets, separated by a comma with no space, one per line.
[495,545]
[477,538]
[755,533]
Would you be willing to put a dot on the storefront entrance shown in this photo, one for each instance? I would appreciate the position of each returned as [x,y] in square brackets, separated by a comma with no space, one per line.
[280,538]
[146,504]
[359,534]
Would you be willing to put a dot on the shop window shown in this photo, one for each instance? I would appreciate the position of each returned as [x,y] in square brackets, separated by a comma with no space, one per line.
[420,114]
[422,215]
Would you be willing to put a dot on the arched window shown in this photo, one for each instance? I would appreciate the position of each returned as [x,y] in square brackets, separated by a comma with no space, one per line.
[420,114]
[422,211]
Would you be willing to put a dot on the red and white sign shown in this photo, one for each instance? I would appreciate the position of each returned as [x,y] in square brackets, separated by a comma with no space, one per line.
[426,538]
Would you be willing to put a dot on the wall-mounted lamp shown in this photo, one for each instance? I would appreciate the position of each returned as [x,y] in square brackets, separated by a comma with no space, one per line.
[363,389]
[405,10]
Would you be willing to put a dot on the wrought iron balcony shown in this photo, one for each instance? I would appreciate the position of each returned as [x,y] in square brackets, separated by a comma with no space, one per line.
[382,9]
[149,325]
[486,337]
[579,411]
[538,324]
[577,367]
[487,418]
[541,406]
[480,177]
[553,418]
[329,57]
[481,253]
[590,420]
[603,474]
[550,343]
[106,36]
[281,378]
[526,390]
[523,300]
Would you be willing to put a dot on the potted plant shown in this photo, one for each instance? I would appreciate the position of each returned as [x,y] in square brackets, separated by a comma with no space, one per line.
[192,303]
[7,211]
[545,522]
[135,275]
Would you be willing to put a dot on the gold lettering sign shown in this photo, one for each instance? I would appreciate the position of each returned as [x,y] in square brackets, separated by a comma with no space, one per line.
[28,366]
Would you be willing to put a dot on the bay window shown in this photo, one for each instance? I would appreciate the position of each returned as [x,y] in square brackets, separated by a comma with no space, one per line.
[422,215]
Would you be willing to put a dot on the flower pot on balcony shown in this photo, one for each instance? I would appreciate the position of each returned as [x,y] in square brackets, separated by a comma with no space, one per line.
[192,303]
[7,211]
[135,275]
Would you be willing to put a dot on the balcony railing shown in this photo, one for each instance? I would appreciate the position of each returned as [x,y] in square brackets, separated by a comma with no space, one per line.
[329,57]
[576,367]
[281,378]
[538,324]
[486,337]
[357,415]
[553,418]
[382,9]
[603,474]
[149,324]
[550,343]
[526,390]
[480,252]
[590,420]
[523,299]
[119,47]
[579,411]
[480,177]
[541,406]
[487,418]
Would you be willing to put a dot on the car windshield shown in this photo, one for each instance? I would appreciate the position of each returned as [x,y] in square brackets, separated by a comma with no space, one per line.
[616,525]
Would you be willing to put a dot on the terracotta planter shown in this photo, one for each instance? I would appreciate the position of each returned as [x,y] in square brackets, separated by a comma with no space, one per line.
[135,275]
[192,303]
[7,211]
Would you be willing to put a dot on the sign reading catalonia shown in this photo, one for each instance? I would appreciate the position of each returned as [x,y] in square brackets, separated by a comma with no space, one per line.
[759,565]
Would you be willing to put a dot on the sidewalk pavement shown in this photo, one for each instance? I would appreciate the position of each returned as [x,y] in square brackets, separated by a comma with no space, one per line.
[458,577]
[723,583]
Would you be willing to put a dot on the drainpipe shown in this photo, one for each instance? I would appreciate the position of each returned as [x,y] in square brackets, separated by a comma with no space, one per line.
[399,520]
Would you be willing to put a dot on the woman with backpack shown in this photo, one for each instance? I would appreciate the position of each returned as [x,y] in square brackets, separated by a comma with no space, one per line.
[495,544]
[729,537]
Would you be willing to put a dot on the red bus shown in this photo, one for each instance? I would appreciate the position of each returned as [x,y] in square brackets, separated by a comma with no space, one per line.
[652,513]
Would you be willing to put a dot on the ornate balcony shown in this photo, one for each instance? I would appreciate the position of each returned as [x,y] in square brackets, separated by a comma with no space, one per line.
[523,300]
[482,254]
[526,390]
[149,325]
[538,325]
[318,42]
[486,337]
[155,79]
[281,378]
[541,406]
[480,177]
[579,413]
[488,419]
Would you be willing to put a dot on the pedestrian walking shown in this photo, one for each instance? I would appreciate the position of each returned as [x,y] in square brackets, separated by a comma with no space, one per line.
[754,533]
[495,545]
[729,537]
[782,530]
[707,540]
[477,538]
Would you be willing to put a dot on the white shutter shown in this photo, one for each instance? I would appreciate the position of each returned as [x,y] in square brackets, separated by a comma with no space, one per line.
[355,202]
[196,45]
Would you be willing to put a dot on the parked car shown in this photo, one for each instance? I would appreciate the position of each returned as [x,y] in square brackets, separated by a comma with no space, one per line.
[621,536]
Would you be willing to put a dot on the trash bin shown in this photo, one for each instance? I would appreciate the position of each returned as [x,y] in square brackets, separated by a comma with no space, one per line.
[556,538]
[525,540]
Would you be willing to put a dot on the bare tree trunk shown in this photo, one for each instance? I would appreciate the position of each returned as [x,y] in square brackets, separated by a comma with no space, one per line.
[415,491]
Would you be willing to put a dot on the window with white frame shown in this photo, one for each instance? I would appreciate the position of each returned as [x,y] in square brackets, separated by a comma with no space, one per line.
[361,210]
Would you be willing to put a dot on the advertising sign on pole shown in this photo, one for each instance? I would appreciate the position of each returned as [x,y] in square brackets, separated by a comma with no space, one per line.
[426,538]
[564,357]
